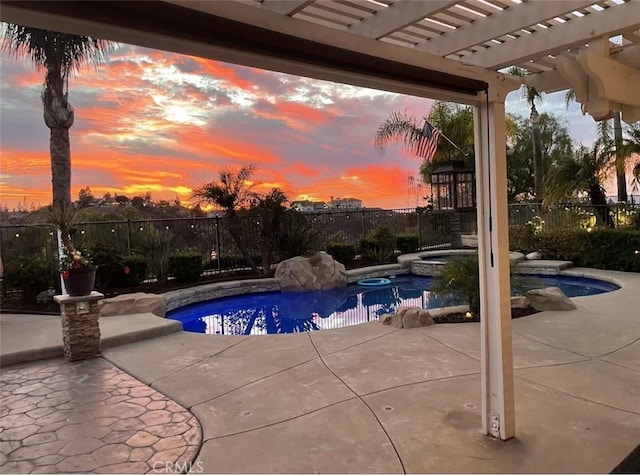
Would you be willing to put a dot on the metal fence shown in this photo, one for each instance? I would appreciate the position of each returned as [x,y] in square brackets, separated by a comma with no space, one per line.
[211,237]
[575,216]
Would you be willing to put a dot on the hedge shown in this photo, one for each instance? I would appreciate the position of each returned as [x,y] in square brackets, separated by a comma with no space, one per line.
[602,248]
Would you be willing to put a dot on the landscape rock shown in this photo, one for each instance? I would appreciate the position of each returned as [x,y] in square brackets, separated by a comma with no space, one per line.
[135,303]
[516,256]
[519,302]
[408,318]
[311,274]
[46,296]
[550,299]
[534,255]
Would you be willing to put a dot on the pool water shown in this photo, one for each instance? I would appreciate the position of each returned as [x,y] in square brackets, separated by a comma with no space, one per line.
[287,312]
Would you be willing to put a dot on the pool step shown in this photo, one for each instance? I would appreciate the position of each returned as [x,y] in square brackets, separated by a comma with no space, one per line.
[542,266]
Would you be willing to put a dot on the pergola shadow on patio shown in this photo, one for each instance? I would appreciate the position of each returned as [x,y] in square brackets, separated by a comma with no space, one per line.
[440,49]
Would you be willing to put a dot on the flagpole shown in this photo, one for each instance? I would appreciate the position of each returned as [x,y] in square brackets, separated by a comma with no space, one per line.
[466,154]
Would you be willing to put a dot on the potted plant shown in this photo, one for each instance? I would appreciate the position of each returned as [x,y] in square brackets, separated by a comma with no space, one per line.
[77,271]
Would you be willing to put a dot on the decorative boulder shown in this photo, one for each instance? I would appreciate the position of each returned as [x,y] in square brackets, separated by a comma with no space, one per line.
[550,299]
[519,302]
[311,274]
[136,303]
[534,255]
[408,318]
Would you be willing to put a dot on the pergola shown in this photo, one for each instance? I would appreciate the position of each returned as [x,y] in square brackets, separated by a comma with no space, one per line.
[441,49]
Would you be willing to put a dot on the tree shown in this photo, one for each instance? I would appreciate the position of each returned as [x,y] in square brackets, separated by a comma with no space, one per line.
[621,157]
[121,199]
[272,211]
[57,54]
[452,120]
[556,143]
[621,153]
[85,197]
[138,202]
[582,172]
[455,122]
[531,95]
[231,191]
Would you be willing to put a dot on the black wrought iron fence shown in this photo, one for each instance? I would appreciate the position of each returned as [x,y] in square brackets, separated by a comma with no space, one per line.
[211,238]
[576,216]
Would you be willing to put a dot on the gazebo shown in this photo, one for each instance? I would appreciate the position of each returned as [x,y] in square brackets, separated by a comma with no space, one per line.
[441,49]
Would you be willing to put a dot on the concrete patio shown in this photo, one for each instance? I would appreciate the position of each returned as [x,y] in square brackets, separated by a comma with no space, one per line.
[373,399]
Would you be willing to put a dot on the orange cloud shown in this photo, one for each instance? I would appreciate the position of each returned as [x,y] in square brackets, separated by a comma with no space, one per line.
[302,169]
[222,72]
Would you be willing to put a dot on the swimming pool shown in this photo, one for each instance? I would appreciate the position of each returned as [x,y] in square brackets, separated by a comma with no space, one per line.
[279,313]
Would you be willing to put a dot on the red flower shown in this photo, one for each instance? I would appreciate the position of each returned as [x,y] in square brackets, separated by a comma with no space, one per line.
[65,274]
[127,270]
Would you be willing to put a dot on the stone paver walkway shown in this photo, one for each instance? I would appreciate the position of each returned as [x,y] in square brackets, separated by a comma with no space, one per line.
[90,416]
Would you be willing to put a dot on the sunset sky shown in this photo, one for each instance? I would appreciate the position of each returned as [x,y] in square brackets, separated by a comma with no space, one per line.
[151,121]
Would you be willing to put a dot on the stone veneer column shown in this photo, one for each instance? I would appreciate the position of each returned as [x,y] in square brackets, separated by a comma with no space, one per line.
[80,328]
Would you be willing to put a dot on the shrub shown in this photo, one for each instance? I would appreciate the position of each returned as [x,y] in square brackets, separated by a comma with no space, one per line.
[344,253]
[407,243]
[563,245]
[377,254]
[523,238]
[612,249]
[385,238]
[459,278]
[157,245]
[379,246]
[602,248]
[297,236]
[186,266]
[30,275]
[108,259]
[134,271]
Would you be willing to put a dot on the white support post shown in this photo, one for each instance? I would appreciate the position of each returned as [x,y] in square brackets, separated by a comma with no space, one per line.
[498,404]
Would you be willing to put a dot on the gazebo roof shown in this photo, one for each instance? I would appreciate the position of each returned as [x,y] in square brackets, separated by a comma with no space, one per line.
[437,48]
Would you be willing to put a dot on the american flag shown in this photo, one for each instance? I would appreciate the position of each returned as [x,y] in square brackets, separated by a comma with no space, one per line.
[427,145]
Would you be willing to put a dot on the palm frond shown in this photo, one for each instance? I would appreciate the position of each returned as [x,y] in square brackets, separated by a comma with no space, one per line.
[63,50]
[398,127]
[529,93]
[569,97]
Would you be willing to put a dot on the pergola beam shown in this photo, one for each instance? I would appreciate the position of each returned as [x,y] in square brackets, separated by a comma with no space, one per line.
[285,7]
[615,82]
[608,22]
[552,81]
[499,24]
[396,17]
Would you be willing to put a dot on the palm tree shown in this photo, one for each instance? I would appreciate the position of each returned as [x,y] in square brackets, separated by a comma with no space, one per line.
[452,120]
[531,95]
[57,54]
[621,153]
[230,192]
[621,158]
[455,122]
[583,172]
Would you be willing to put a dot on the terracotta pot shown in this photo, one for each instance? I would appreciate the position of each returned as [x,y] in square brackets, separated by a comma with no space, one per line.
[79,281]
